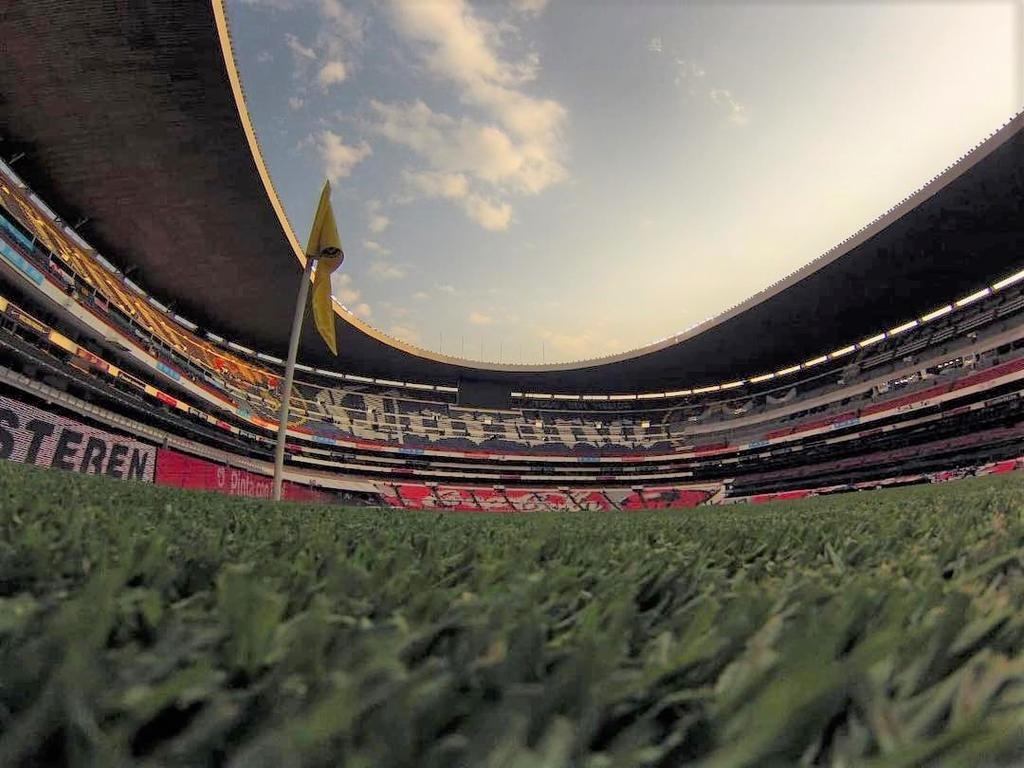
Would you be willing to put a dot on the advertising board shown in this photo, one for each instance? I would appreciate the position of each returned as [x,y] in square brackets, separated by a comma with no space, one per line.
[181,471]
[33,436]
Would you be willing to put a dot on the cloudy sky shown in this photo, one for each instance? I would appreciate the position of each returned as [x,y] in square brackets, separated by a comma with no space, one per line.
[538,181]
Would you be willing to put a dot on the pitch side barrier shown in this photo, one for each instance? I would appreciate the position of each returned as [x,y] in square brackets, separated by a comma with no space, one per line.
[182,471]
[30,435]
[323,482]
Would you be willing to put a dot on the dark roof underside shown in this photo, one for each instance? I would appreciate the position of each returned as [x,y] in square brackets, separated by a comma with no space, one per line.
[126,116]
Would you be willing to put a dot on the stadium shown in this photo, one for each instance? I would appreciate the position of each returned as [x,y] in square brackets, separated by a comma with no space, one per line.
[130,267]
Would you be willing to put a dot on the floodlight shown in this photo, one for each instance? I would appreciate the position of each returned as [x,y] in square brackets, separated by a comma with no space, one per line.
[902,328]
[1016,278]
[972,298]
[703,390]
[937,313]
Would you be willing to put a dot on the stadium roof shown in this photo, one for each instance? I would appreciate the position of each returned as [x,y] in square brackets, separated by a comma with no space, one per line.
[131,116]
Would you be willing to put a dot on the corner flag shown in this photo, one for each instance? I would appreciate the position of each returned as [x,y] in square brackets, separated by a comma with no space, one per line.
[324,246]
[323,250]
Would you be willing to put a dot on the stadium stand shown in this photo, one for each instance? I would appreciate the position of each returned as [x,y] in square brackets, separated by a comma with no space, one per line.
[963,374]
[935,393]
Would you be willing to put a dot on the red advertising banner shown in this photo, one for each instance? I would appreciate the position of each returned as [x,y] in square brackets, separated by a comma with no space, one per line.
[34,436]
[417,496]
[181,471]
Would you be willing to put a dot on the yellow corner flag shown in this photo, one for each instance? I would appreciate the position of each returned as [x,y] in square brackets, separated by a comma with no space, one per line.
[325,247]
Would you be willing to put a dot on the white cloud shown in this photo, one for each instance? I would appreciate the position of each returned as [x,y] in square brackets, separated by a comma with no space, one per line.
[329,59]
[446,289]
[382,270]
[341,286]
[405,333]
[515,146]
[298,49]
[458,45]
[455,186]
[378,221]
[351,299]
[421,295]
[333,11]
[489,215]
[341,32]
[331,73]
[340,158]
[688,70]
[463,153]
[530,7]
[264,57]
[463,48]
[691,77]
[295,103]
[375,247]
[433,184]
[480,318]
[737,112]
[465,146]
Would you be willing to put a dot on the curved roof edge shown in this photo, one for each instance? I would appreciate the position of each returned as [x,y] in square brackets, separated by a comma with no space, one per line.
[151,149]
[930,188]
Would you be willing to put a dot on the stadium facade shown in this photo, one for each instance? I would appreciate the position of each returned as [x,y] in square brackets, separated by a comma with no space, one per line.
[139,229]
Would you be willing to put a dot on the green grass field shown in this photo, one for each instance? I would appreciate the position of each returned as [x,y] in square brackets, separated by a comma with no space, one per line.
[141,625]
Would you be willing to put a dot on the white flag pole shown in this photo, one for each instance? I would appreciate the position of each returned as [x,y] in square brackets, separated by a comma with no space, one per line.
[289,375]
